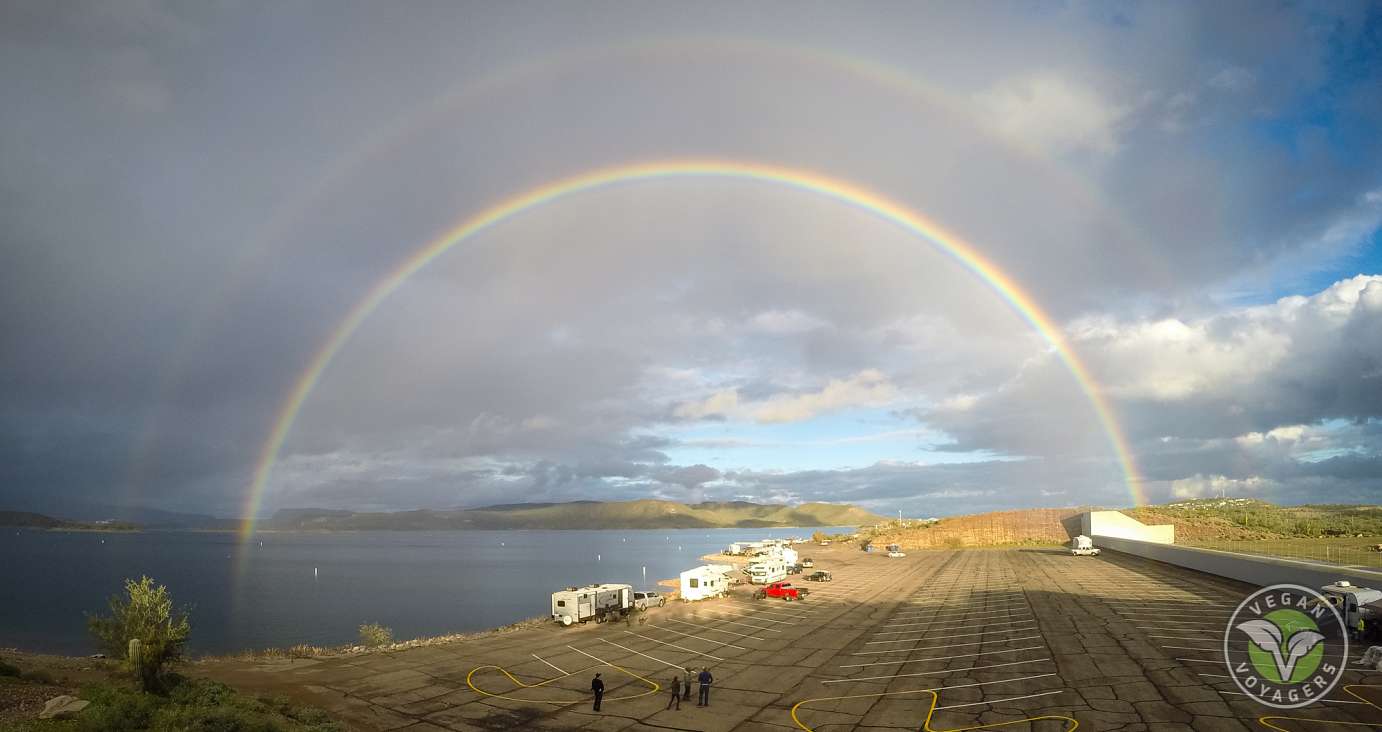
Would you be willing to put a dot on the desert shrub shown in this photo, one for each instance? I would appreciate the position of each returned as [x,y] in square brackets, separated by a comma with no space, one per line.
[145,612]
[8,670]
[373,635]
[117,709]
[39,676]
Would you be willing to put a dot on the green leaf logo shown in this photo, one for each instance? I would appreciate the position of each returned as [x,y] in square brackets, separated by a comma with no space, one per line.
[1285,645]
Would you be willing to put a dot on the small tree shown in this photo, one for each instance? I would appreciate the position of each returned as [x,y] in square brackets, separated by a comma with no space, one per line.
[373,635]
[145,612]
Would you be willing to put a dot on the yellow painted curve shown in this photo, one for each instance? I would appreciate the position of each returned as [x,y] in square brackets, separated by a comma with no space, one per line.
[653,686]
[1266,721]
[926,724]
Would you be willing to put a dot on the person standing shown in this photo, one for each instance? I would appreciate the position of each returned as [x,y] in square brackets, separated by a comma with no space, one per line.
[686,689]
[597,686]
[676,692]
[705,678]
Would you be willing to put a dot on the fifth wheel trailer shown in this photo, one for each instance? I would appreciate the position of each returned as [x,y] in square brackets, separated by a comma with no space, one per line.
[597,602]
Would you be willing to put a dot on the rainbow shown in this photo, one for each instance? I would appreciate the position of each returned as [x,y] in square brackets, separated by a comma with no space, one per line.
[802,180]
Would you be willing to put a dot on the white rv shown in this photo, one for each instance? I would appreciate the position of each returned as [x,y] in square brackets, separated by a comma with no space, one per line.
[767,570]
[705,581]
[598,602]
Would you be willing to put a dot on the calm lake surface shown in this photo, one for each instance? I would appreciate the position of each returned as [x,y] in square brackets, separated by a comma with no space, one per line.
[418,583]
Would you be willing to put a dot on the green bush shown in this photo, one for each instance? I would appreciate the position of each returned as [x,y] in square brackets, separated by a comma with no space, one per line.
[145,612]
[39,676]
[373,635]
[193,705]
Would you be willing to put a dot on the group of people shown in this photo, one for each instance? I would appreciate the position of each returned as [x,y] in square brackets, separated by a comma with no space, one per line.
[680,687]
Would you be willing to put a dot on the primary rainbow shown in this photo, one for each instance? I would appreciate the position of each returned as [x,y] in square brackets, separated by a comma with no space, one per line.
[803,180]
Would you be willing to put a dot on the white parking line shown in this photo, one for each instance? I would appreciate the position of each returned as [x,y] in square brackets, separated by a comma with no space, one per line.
[549,663]
[1177,622]
[1000,701]
[716,630]
[707,640]
[944,626]
[1181,630]
[999,613]
[673,645]
[934,673]
[630,650]
[752,616]
[943,658]
[961,635]
[947,645]
[746,625]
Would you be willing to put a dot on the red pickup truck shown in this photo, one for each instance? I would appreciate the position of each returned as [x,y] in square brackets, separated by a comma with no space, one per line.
[784,590]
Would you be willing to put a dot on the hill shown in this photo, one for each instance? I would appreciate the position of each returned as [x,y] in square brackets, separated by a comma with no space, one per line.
[29,520]
[1198,521]
[643,514]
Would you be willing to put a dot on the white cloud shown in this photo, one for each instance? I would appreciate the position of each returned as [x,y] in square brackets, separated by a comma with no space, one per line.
[1208,486]
[784,322]
[868,388]
[1053,113]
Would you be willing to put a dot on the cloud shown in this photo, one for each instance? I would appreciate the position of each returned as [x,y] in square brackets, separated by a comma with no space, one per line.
[868,388]
[1053,113]
[1202,486]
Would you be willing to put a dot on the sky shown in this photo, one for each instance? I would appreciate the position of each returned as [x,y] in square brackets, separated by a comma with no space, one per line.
[194,196]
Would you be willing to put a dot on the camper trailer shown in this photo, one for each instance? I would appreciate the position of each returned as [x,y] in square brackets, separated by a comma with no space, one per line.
[767,570]
[1083,546]
[705,581]
[597,602]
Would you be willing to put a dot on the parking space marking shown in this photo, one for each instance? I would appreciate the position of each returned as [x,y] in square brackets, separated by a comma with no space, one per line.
[943,658]
[1000,701]
[723,644]
[941,672]
[935,699]
[549,663]
[715,630]
[751,616]
[745,624]
[947,627]
[673,645]
[630,650]
[961,635]
[1014,608]
[947,645]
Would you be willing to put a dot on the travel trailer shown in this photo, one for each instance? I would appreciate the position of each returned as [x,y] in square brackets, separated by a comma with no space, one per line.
[703,582]
[767,570]
[597,602]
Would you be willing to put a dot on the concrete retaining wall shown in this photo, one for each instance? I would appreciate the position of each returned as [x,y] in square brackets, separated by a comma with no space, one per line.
[1113,523]
[1259,571]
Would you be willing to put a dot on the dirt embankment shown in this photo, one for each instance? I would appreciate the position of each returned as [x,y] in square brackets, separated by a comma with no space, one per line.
[1034,526]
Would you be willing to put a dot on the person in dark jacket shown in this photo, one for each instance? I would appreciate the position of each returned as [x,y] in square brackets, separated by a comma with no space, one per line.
[597,686]
[705,678]
[676,692]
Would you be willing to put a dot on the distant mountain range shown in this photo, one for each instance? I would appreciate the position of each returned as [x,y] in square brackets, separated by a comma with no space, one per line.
[644,514]
[28,520]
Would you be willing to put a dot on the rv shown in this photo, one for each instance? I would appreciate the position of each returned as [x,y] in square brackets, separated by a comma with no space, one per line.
[597,602]
[705,581]
[767,570]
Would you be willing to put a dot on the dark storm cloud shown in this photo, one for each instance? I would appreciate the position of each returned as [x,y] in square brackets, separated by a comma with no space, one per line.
[193,195]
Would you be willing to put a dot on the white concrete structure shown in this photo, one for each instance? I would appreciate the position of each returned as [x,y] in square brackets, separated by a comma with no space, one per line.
[1243,567]
[705,581]
[1097,524]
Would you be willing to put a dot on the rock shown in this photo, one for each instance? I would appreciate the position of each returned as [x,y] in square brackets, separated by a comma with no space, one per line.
[63,707]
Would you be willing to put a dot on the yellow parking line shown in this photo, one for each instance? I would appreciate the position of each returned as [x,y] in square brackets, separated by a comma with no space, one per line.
[653,686]
[926,723]
[1349,689]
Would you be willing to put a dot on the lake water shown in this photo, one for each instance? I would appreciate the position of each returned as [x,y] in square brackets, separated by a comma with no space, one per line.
[319,588]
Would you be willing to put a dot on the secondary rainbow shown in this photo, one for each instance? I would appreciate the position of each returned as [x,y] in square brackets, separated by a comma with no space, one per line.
[803,180]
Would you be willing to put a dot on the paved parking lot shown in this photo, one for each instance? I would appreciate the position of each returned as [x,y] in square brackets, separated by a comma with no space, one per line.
[1032,639]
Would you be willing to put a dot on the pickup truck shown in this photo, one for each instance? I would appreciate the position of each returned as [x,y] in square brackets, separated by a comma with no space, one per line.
[645,600]
[784,590]
[806,563]
[819,575]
